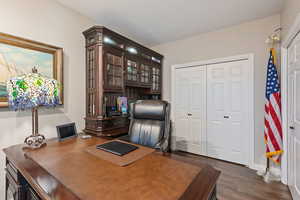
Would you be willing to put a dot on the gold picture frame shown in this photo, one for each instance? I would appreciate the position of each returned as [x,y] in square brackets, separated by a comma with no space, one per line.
[37,51]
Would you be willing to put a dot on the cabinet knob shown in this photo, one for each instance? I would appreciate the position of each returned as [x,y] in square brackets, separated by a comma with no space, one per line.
[226,117]
[189,114]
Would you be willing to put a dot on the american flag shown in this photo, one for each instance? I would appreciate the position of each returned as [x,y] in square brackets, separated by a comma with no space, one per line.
[273,128]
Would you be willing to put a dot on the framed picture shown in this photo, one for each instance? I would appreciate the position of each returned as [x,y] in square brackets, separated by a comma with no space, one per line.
[18,56]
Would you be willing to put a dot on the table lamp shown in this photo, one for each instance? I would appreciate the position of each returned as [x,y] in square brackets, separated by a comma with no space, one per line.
[30,91]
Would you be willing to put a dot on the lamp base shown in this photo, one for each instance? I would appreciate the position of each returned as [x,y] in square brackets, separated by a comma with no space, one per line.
[35,141]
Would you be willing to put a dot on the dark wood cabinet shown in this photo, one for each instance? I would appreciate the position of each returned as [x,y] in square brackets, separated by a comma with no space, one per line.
[116,67]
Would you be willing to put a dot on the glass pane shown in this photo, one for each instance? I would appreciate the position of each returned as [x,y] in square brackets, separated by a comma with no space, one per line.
[119,81]
[110,58]
[110,69]
[110,80]
[118,61]
[129,69]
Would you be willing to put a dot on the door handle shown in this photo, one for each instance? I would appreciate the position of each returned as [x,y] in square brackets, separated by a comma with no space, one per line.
[292,127]
[226,117]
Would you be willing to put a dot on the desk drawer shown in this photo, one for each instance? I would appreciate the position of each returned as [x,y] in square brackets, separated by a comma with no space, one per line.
[12,171]
[15,174]
[31,195]
[14,191]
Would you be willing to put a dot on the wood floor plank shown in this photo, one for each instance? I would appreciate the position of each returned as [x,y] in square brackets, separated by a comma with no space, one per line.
[238,182]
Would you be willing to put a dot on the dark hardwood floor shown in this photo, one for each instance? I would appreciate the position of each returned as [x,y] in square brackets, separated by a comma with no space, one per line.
[238,182]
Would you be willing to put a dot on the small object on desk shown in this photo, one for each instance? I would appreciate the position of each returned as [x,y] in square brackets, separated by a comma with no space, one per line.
[118,148]
[85,136]
[66,131]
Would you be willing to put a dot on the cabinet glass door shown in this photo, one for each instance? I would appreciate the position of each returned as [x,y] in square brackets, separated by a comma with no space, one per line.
[156,83]
[132,71]
[114,72]
[145,77]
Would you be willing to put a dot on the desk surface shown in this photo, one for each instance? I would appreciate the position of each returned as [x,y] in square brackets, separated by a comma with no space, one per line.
[76,174]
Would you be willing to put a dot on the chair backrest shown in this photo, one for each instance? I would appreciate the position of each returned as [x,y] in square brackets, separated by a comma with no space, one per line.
[149,123]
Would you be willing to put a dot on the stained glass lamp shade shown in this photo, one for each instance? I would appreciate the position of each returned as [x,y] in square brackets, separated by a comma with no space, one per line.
[30,91]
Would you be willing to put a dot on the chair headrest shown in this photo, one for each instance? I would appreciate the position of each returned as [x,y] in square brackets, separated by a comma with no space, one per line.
[150,109]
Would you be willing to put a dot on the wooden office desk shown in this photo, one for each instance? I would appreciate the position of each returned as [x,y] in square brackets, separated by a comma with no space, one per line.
[78,175]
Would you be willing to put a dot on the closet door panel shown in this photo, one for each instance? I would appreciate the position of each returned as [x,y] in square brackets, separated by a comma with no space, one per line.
[182,96]
[216,94]
[238,99]
[190,109]
[197,110]
[228,102]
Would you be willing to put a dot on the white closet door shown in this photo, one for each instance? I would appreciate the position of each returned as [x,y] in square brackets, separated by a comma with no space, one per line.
[197,110]
[182,96]
[190,109]
[294,118]
[227,111]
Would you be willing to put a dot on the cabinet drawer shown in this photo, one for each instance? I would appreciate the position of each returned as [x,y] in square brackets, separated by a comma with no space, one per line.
[12,170]
[14,190]
[31,195]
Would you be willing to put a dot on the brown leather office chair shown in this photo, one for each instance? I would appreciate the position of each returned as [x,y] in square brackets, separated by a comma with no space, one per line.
[150,124]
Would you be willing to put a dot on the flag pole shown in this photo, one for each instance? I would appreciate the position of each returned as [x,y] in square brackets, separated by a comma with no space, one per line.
[268,175]
[268,165]
[272,39]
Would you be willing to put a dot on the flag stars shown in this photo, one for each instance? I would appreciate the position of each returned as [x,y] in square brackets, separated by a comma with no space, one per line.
[272,84]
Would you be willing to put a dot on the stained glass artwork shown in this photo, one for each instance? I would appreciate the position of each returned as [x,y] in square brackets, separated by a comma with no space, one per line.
[32,90]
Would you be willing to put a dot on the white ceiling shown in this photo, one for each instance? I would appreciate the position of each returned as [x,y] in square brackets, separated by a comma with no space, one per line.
[153,22]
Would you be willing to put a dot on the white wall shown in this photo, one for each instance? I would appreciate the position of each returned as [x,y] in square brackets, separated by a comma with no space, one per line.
[289,13]
[241,39]
[48,22]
